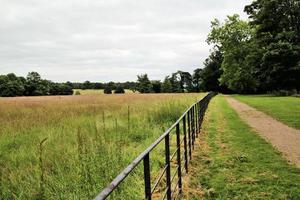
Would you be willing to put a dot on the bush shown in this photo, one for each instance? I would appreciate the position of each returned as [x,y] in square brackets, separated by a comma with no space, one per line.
[119,90]
[284,92]
[77,93]
[107,90]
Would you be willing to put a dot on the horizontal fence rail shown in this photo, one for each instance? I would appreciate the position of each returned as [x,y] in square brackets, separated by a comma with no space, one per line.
[191,121]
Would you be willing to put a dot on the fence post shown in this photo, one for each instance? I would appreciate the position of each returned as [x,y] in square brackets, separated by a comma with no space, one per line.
[185,145]
[168,169]
[178,157]
[193,126]
[189,133]
[201,116]
[196,119]
[147,177]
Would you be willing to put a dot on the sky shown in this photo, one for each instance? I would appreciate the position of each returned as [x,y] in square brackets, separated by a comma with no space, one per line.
[107,40]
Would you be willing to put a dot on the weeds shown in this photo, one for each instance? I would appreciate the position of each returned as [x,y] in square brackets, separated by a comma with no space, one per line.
[41,194]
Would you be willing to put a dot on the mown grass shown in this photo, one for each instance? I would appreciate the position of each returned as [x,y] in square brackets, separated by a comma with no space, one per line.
[233,162]
[285,109]
[70,147]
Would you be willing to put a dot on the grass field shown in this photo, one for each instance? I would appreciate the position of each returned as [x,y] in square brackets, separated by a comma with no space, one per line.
[233,162]
[285,109]
[94,91]
[70,147]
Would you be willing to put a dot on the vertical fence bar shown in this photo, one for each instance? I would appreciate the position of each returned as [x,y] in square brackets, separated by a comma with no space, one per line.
[192,130]
[168,169]
[185,145]
[201,116]
[189,133]
[196,119]
[178,157]
[147,177]
[193,126]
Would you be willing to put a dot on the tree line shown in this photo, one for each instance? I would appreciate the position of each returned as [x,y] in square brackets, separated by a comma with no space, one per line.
[259,55]
[33,85]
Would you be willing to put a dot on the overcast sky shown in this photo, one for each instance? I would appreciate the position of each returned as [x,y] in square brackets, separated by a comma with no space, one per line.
[104,40]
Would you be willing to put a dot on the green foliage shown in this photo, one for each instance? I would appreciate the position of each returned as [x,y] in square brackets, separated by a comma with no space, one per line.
[11,85]
[207,79]
[156,86]
[263,54]
[178,82]
[278,42]
[77,93]
[233,39]
[119,90]
[107,90]
[33,85]
[144,84]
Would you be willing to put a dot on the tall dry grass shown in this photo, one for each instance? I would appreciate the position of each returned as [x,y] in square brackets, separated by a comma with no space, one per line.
[90,139]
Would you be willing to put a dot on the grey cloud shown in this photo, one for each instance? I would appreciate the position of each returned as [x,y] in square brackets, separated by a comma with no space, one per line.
[103,40]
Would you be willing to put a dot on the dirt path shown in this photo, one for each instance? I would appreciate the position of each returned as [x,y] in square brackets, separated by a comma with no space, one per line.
[282,137]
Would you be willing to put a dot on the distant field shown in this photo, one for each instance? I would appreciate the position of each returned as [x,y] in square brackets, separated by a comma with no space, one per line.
[231,161]
[91,91]
[285,109]
[88,140]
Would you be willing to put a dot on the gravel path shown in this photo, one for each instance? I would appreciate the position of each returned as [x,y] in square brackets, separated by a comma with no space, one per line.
[282,137]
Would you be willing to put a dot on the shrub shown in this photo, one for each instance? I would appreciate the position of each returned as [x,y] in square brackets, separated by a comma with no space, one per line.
[77,93]
[119,90]
[107,90]
[284,92]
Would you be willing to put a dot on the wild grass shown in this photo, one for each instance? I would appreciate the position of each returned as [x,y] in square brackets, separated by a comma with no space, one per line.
[233,162]
[70,147]
[285,109]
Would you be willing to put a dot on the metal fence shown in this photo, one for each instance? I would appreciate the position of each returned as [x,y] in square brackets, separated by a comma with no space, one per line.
[191,121]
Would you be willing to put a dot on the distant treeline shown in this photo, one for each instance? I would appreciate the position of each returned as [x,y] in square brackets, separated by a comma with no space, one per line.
[12,85]
[33,85]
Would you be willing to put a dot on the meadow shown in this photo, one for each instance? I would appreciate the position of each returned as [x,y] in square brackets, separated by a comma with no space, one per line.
[231,161]
[284,109]
[70,147]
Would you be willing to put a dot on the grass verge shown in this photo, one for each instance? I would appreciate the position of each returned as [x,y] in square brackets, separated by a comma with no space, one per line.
[285,109]
[233,162]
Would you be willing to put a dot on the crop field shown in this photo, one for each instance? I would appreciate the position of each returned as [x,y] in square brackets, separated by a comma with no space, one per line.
[285,109]
[70,147]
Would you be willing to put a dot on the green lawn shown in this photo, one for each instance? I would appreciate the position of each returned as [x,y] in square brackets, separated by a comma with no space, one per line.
[233,162]
[285,109]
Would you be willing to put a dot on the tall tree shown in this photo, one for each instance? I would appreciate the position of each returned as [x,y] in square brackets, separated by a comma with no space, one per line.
[234,40]
[35,86]
[209,77]
[278,42]
[144,84]
[156,85]
[11,85]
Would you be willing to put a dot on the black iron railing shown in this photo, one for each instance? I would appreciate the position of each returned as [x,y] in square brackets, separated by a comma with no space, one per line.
[191,122]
